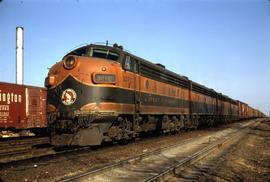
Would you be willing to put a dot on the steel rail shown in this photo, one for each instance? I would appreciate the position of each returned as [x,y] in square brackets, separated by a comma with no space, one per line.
[24,141]
[192,158]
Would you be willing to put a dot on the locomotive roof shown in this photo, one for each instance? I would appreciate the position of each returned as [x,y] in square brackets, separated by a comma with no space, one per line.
[114,48]
[195,86]
[161,69]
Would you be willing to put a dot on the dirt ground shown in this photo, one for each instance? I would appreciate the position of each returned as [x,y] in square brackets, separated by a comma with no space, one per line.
[56,168]
[248,159]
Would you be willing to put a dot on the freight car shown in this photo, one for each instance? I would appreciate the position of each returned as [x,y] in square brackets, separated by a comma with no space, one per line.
[22,108]
[102,93]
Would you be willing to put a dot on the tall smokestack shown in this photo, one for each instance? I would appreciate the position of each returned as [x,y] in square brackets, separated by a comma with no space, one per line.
[19,55]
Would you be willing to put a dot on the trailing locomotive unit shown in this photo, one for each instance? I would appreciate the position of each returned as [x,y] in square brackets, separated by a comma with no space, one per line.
[102,93]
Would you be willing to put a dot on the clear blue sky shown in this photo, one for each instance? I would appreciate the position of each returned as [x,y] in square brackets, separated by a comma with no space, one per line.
[222,44]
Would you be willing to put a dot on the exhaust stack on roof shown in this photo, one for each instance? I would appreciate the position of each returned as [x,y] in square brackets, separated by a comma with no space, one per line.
[19,55]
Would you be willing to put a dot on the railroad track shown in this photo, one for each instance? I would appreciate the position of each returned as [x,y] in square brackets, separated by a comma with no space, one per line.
[18,144]
[161,163]
[22,148]
[38,149]
[8,143]
[27,149]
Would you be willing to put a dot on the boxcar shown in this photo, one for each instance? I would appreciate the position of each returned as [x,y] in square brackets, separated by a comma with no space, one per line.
[22,107]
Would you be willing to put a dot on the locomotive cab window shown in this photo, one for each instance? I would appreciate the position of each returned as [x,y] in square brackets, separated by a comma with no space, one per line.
[130,64]
[127,63]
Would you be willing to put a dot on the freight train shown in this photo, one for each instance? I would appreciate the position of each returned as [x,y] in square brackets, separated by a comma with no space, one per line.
[100,93]
[22,110]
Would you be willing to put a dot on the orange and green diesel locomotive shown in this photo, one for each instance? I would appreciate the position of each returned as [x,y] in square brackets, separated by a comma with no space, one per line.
[100,93]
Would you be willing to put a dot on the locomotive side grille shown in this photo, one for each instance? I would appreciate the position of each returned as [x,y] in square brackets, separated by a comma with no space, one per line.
[163,76]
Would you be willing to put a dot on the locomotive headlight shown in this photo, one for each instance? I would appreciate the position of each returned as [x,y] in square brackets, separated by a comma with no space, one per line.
[70,62]
[49,81]
[104,78]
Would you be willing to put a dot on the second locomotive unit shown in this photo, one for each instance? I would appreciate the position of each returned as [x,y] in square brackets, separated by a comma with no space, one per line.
[102,93]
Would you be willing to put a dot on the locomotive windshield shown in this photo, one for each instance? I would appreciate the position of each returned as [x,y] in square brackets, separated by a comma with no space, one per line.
[95,52]
[104,53]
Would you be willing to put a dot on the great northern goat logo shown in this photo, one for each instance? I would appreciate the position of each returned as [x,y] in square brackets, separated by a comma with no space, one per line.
[68,96]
